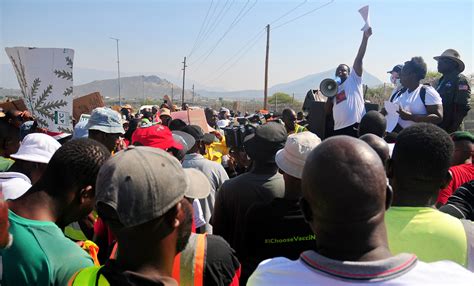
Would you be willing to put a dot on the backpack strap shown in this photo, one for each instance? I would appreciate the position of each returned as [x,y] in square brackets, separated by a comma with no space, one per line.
[423,95]
[397,94]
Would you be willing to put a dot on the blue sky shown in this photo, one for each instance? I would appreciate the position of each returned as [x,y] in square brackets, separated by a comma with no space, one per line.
[156,35]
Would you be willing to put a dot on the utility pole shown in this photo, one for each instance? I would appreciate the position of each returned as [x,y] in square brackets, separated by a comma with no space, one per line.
[143,81]
[193,93]
[184,77]
[293,99]
[172,92]
[118,69]
[266,69]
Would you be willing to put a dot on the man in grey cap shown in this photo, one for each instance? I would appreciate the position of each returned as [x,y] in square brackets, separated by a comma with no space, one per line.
[454,89]
[146,205]
[105,126]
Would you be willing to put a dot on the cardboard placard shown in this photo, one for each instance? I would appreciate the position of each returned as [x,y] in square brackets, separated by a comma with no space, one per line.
[85,104]
[46,79]
[194,117]
[15,104]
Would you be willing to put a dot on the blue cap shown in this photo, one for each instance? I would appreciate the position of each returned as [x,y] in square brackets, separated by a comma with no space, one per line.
[106,120]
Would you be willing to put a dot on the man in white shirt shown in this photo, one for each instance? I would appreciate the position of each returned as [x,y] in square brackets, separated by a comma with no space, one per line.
[347,106]
[345,195]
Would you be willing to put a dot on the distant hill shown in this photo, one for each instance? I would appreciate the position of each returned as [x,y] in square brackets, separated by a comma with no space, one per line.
[134,87]
[299,87]
[138,87]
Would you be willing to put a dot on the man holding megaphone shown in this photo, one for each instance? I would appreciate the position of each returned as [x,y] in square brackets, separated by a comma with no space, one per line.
[346,99]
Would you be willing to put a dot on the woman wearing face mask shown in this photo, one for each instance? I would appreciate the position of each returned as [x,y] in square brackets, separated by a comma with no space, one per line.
[395,78]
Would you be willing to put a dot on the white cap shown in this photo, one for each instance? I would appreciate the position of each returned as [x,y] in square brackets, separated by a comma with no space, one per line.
[292,157]
[37,147]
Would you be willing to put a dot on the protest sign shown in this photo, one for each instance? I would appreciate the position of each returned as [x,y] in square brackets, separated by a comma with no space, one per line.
[85,104]
[194,117]
[45,79]
[15,104]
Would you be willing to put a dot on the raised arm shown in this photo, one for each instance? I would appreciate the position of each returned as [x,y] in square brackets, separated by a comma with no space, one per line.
[360,55]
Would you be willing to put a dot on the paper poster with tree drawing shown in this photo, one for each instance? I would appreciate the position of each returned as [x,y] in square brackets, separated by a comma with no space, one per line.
[45,79]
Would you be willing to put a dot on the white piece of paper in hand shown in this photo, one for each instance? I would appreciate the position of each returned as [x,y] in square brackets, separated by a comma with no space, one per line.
[364,12]
[392,115]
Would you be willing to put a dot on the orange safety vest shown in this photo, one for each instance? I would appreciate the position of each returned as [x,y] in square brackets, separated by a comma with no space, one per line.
[188,267]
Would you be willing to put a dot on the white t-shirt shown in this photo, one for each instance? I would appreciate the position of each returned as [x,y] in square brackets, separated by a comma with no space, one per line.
[348,105]
[198,215]
[314,269]
[411,102]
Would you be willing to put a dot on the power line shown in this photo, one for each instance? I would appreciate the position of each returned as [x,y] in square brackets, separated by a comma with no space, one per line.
[201,29]
[277,19]
[232,25]
[212,26]
[255,41]
[287,13]
[304,14]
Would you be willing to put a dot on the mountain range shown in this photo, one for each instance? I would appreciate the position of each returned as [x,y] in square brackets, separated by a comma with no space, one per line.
[155,86]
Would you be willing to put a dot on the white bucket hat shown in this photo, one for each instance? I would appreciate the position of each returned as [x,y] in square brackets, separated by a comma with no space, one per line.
[37,147]
[292,157]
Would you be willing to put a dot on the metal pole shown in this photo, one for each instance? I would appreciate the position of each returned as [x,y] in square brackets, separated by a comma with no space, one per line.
[172,93]
[143,81]
[118,69]
[193,93]
[265,94]
[184,77]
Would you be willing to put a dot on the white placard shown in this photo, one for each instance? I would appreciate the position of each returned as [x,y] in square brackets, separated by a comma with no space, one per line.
[392,115]
[364,12]
[45,79]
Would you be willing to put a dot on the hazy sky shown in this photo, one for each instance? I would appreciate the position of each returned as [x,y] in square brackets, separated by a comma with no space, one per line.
[156,35]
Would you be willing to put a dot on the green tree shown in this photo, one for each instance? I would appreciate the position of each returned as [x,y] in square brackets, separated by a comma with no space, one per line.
[280,98]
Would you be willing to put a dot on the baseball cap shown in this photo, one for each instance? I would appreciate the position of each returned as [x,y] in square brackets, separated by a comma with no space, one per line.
[141,184]
[157,136]
[292,157]
[183,138]
[462,135]
[37,147]
[106,120]
[195,131]
[266,141]
[397,69]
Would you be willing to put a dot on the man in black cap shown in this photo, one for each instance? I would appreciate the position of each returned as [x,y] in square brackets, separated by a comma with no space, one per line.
[213,171]
[454,89]
[261,184]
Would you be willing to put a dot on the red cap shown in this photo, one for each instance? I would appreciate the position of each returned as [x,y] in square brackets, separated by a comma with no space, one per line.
[157,136]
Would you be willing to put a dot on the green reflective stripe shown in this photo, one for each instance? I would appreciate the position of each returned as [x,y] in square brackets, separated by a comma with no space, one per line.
[186,273]
[88,277]
[74,232]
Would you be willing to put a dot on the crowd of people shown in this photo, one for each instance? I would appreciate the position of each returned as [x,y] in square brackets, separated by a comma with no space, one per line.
[144,199]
